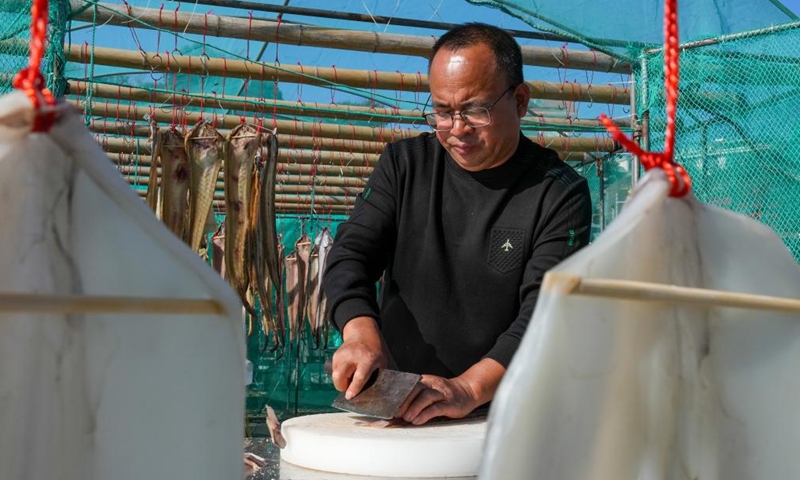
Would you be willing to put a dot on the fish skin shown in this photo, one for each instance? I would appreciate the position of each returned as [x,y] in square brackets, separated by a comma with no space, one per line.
[241,148]
[151,197]
[294,292]
[268,179]
[259,280]
[174,181]
[274,426]
[312,297]
[280,305]
[303,249]
[324,244]
[206,149]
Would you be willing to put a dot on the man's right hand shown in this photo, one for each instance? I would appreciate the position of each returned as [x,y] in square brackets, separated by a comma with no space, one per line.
[361,353]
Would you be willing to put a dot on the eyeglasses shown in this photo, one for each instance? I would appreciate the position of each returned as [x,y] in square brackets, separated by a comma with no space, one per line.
[474,117]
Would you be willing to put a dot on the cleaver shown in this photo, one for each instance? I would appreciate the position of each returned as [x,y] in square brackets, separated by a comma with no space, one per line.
[382,395]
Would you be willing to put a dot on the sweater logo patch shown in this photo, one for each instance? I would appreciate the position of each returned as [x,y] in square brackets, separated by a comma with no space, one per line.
[506,249]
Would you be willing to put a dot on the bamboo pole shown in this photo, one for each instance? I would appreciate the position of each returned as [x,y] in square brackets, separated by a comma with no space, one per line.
[279,188]
[142,171]
[104,127]
[298,199]
[303,35]
[312,75]
[360,158]
[654,292]
[269,107]
[310,157]
[283,168]
[285,127]
[69,304]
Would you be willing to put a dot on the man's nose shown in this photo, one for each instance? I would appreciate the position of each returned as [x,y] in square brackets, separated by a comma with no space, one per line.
[460,127]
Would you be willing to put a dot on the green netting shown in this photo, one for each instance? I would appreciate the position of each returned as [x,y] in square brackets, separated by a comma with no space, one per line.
[623,27]
[609,180]
[15,26]
[736,126]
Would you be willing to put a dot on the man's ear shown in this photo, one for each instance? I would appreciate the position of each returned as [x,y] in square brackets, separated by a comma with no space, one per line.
[522,95]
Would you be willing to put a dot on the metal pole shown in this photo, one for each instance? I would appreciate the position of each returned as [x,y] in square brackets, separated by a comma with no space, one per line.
[601,198]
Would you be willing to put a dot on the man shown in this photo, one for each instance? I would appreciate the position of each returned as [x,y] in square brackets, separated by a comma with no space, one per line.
[464,221]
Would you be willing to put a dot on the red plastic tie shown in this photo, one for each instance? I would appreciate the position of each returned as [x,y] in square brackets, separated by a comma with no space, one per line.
[30,79]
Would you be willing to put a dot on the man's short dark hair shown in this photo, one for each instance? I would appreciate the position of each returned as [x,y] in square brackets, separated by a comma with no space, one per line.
[507,52]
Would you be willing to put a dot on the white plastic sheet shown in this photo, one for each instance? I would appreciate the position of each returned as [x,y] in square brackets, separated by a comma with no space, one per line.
[106,396]
[608,389]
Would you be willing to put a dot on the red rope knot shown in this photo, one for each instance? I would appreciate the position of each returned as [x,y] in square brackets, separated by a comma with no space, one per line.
[678,176]
[31,81]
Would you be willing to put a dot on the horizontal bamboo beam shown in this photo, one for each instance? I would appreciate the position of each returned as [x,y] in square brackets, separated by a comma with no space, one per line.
[306,155]
[310,157]
[297,199]
[285,127]
[303,35]
[279,188]
[143,171]
[269,107]
[67,304]
[111,127]
[283,168]
[654,292]
[312,75]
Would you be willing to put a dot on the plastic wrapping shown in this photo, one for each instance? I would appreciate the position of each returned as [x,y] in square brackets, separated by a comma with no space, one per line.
[605,388]
[97,396]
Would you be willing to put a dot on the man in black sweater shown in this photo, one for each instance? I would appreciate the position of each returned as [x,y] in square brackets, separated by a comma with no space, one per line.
[462,223]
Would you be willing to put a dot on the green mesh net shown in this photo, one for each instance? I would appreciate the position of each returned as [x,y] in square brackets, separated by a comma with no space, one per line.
[736,133]
[15,26]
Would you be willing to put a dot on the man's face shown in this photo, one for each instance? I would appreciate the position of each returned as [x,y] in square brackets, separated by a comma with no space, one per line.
[469,78]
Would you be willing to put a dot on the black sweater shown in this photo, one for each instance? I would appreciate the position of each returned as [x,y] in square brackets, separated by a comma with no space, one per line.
[464,253]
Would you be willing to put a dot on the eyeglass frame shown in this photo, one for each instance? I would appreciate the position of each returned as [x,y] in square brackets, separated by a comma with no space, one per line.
[461,113]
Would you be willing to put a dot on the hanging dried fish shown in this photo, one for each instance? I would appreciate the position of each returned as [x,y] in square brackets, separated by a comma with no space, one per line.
[324,242]
[294,292]
[151,197]
[174,181]
[241,147]
[259,279]
[268,179]
[312,286]
[205,147]
[280,305]
[303,249]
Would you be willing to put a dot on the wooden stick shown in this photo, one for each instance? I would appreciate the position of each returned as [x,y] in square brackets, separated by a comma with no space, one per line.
[279,188]
[300,199]
[142,171]
[654,292]
[303,35]
[45,303]
[312,75]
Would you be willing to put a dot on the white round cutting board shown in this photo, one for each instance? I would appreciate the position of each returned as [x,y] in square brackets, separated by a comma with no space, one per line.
[341,443]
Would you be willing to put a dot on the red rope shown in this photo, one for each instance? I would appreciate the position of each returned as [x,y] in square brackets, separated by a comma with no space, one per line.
[664,160]
[30,79]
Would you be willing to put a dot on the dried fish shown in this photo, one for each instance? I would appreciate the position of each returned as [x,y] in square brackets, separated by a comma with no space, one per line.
[274,426]
[268,209]
[259,279]
[323,242]
[280,306]
[205,147]
[174,181]
[312,300]
[302,248]
[241,147]
[294,292]
[151,197]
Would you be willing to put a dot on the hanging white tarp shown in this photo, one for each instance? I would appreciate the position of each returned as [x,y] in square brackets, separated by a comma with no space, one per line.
[100,396]
[606,388]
